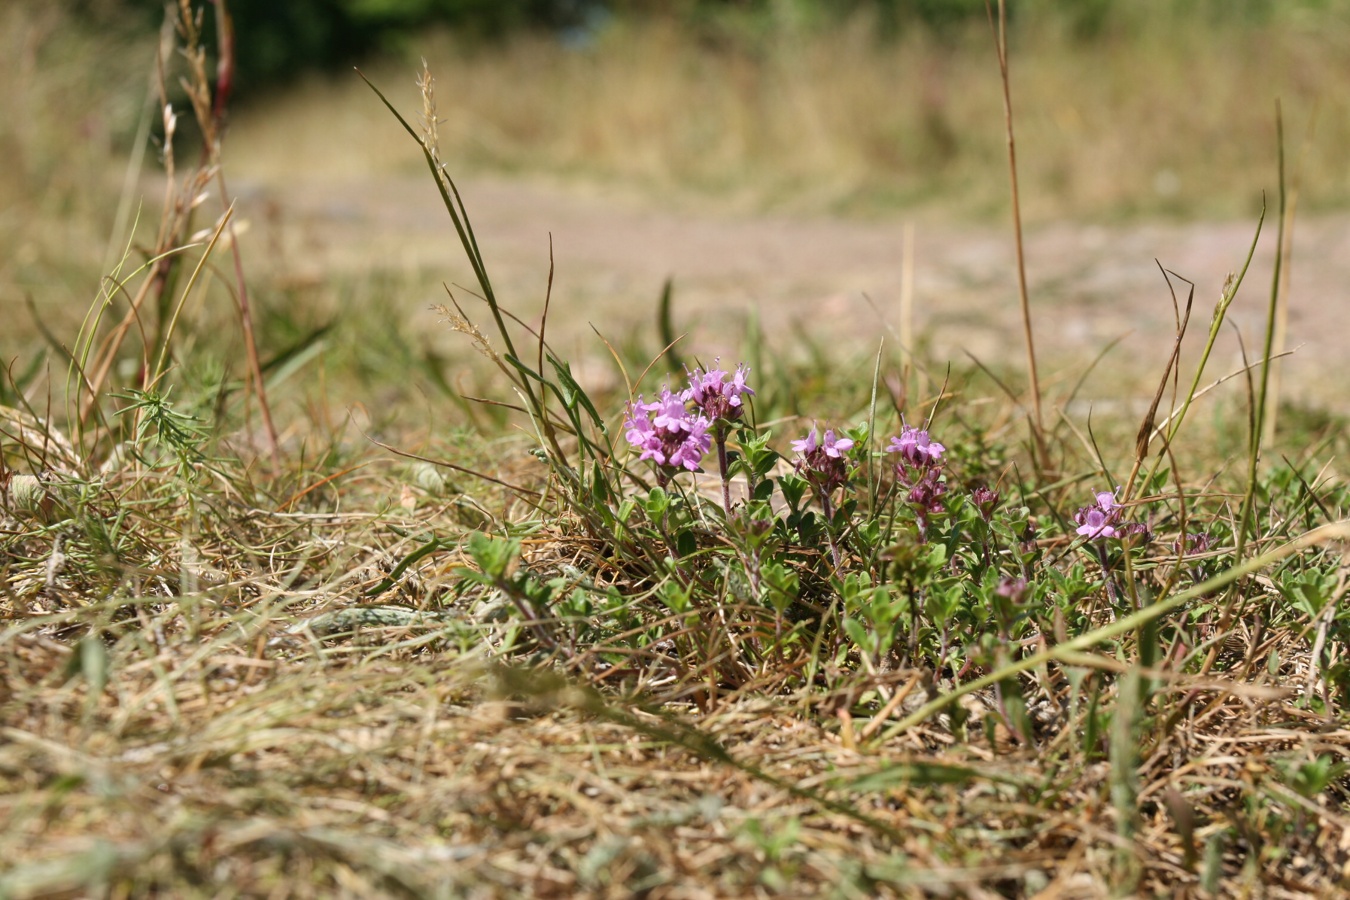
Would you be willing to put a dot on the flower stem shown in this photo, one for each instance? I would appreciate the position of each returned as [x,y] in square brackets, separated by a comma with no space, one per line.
[1111,590]
[828,509]
[721,436]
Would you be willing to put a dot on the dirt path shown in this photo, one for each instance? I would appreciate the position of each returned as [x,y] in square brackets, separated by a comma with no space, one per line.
[1090,285]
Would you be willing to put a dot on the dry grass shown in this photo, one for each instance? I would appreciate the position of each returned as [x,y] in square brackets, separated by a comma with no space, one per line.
[835,120]
[241,753]
[224,674]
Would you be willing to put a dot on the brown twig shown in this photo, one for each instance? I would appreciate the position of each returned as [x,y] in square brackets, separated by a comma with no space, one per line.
[225,68]
[1001,46]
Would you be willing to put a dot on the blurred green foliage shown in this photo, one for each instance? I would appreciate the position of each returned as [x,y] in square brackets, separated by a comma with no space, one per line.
[278,40]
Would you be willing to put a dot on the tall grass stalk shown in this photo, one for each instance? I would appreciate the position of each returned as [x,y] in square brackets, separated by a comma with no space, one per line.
[1264,400]
[1000,31]
[585,480]
[1286,268]
[94,368]
[1257,429]
[1171,426]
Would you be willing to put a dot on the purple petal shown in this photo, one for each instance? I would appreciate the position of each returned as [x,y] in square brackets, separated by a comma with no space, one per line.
[806,444]
[1096,525]
[834,446]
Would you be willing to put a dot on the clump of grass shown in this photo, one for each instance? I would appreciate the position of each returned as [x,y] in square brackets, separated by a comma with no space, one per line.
[714,634]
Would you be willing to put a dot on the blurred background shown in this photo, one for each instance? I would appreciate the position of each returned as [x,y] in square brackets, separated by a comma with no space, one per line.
[799,168]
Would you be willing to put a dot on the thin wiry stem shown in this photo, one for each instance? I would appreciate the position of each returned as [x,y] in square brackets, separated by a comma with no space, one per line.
[1272,317]
[1281,326]
[1234,602]
[1001,45]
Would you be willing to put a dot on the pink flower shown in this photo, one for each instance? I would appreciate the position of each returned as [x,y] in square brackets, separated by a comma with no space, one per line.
[806,445]
[689,451]
[832,446]
[1102,520]
[738,385]
[638,426]
[671,413]
[672,437]
[1095,523]
[716,397]
[823,462]
[915,446]
[835,447]
[1015,589]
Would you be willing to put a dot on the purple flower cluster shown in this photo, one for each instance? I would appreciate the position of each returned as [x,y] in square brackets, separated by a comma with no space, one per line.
[919,468]
[1099,521]
[716,397]
[674,430]
[667,432]
[915,447]
[925,495]
[822,462]
[1102,520]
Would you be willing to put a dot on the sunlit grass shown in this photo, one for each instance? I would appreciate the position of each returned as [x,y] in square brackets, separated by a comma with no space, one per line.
[836,119]
[455,637]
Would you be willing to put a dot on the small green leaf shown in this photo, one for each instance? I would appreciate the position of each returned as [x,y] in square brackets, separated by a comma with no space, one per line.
[675,597]
[793,488]
[904,774]
[494,556]
[90,661]
[859,634]
[657,502]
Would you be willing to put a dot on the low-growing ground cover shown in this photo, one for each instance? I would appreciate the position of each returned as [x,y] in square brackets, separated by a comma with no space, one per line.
[735,627]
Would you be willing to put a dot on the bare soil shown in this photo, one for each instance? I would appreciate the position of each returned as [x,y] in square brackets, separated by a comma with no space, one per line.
[837,280]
